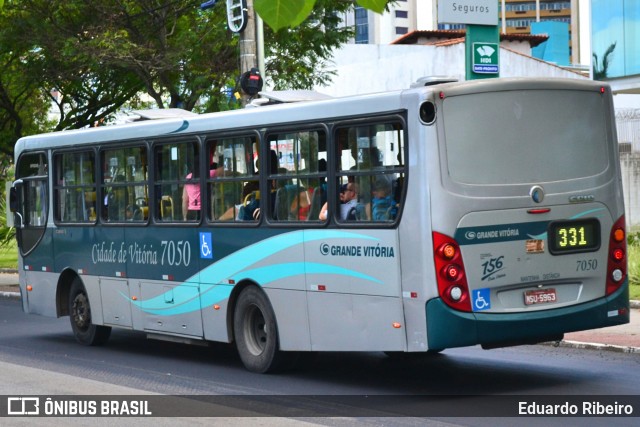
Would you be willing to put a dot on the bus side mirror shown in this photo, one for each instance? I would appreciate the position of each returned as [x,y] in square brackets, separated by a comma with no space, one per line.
[13,199]
[14,203]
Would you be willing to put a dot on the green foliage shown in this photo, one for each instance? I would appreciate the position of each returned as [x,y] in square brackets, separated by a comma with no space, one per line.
[377,6]
[634,272]
[9,256]
[279,14]
[308,48]
[101,56]
[7,234]
[601,69]
[633,261]
[23,106]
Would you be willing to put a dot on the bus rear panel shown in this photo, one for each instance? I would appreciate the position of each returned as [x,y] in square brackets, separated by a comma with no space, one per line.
[528,227]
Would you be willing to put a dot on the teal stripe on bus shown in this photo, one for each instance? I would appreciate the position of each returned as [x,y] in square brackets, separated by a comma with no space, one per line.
[237,267]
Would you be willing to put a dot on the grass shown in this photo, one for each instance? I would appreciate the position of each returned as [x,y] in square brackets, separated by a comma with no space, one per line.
[633,250]
[9,257]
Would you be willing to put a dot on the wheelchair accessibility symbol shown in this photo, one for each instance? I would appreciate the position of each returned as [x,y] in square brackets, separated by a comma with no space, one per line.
[206,251]
[481,299]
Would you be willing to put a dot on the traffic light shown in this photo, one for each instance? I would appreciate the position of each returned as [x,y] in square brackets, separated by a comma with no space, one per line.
[251,82]
[237,15]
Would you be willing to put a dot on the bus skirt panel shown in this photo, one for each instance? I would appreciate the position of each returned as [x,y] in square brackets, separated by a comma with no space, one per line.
[448,328]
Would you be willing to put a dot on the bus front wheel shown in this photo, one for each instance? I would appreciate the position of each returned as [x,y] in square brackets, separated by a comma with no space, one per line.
[256,332]
[80,315]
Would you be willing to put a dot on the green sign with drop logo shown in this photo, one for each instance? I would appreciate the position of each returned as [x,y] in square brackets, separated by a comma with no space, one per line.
[482,52]
[485,58]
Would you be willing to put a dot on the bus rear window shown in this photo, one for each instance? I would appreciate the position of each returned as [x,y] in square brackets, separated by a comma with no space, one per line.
[526,136]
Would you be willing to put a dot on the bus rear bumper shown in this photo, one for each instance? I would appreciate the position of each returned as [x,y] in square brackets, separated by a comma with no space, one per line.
[448,328]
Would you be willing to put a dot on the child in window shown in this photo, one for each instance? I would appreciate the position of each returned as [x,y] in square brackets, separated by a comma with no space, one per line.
[383,207]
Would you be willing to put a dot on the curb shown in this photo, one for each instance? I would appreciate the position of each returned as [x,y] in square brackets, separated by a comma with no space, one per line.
[594,346]
[10,295]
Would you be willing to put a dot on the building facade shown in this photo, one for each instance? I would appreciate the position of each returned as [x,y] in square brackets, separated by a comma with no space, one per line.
[516,16]
[615,42]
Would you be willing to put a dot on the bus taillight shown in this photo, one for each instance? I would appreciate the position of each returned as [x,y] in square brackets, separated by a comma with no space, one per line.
[617,265]
[452,282]
[448,251]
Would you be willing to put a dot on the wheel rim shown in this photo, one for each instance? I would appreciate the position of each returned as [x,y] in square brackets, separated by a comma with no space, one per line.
[255,330]
[81,312]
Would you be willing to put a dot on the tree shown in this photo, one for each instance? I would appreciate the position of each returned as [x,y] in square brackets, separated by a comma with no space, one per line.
[103,55]
[280,14]
[307,48]
[23,107]
[46,35]
[600,71]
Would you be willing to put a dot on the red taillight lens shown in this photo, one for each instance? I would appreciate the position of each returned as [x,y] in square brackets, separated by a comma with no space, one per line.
[618,254]
[452,282]
[452,272]
[617,265]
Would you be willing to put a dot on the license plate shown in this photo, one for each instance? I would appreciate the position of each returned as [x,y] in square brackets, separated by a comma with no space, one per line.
[540,296]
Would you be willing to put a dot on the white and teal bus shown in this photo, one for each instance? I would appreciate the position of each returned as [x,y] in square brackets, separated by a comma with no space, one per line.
[457,214]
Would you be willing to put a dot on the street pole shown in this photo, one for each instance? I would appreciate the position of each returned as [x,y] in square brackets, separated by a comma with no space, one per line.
[260,43]
[248,59]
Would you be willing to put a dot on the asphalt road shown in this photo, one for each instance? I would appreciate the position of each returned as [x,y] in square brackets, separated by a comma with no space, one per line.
[40,356]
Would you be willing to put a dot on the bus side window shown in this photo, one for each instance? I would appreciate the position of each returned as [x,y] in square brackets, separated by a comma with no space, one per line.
[298,175]
[233,189]
[177,181]
[124,185]
[371,159]
[75,188]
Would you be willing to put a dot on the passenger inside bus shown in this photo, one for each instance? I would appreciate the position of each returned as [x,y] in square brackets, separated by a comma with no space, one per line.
[348,202]
[300,202]
[115,201]
[250,209]
[301,197]
[191,202]
[318,193]
[383,206]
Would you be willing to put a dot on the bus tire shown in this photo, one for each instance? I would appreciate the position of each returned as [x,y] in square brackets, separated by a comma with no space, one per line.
[83,328]
[256,332]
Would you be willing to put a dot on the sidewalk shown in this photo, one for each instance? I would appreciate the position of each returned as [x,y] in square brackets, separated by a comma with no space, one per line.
[623,338]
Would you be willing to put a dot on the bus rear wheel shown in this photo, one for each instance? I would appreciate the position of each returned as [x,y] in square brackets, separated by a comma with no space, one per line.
[80,315]
[256,332]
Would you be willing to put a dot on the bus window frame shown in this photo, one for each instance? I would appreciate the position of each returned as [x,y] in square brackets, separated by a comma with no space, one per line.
[101,193]
[291,128]
[206,140]
[153,173]
[56,187]
[399,117]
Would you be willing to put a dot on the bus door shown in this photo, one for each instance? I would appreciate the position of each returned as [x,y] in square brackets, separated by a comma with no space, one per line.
[30,205]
